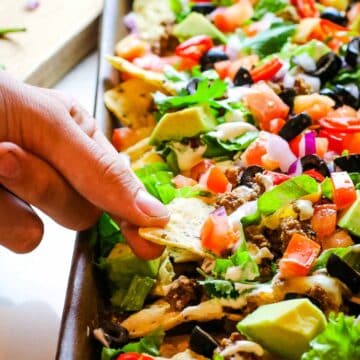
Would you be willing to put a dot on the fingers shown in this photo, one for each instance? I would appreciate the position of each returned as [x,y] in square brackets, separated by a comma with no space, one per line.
[141,247]
[33,180]
[21,229]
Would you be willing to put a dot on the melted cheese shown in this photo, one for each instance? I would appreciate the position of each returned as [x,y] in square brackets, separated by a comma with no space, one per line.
[187,157]
[232,130]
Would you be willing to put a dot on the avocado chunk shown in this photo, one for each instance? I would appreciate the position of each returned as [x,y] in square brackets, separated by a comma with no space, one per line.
[197,24]
[350,218]
[284,328]
[122,264]
[181,124]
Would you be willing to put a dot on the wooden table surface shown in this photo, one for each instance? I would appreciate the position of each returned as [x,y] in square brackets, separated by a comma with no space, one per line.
[59,34]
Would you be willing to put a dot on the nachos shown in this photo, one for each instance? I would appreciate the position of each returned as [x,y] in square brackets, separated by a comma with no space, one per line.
[242,117]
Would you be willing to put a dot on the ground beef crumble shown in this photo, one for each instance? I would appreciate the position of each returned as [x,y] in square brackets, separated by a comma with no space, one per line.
[233,175]
[167,43]
[183,292]
[231,200]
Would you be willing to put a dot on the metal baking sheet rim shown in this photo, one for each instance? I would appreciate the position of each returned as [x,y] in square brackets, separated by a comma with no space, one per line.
[83,301]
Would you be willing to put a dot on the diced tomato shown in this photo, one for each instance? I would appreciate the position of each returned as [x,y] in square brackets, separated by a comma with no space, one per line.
[186,64]
[315,175]
[295,145]
[276,125]
[267,70]
[335,140]
[306,8]
[215,180]
[131,47]
[265,105]
[201,168]
[344,189]
[180,181]
[276,177]
[340,238]
[344,124]
[194,47]
[247,62]
[228,19]
[299,256]
[217,234]
[352,143]
[133,356]
[222,68]
[254,153]
[315,105]
[122,138]
[322,146]
[323,221]
[150,62]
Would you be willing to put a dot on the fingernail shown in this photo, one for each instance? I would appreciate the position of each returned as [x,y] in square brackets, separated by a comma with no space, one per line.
[149,205]
[9,165]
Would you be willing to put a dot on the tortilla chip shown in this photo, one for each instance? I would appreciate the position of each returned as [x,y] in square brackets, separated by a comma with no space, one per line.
[131,102]
[160,315]
[149,157]
[182,256]
[187,215]
[136,151]
[151,77]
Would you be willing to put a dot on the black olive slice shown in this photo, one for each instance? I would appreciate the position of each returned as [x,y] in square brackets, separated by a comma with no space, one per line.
[309,162]
[243,77]
[212,56]
[116,335]
[327,66]
[192,85]
[335,16]
[203,8]
[350,163]
[247,177]
[294,126]
[341,96]
[288,96]
[352,54]
[202,343]
[338,268]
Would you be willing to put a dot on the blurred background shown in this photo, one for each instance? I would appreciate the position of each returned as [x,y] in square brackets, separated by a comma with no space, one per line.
[57,49]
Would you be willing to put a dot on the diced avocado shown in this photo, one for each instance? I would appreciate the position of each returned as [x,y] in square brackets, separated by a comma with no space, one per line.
[350,219]
[184,123]
[284,328]
[197,24]
[122,265]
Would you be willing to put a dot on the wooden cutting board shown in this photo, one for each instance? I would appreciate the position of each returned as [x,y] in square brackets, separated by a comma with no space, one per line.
[59,34]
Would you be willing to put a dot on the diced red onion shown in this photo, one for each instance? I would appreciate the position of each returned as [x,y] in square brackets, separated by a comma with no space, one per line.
[305,61]
[295,168]
[233,47]
[219,211]
[289,81]
[130,22]
[278,150]
[310,142]
[31,5]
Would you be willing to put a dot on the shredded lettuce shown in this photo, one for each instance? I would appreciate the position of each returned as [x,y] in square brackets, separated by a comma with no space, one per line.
[327,188]
[148,344]
[108,234]
[248,269]
[216,147]
[346,76]
[157,178]
[339,341]
[263,7]
[270,41]
[355,177]
[286,192]
[133,298]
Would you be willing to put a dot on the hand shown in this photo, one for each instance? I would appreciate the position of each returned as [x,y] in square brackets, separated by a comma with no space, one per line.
[53,156]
